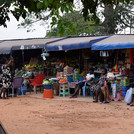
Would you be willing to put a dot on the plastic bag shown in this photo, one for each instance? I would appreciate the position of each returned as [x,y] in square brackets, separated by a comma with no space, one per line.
[114,92]
[128,95]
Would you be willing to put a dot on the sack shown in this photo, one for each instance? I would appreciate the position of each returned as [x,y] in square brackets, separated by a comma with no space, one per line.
[128,95]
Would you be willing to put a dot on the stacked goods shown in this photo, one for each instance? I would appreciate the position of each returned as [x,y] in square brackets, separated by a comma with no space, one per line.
[117,81]
[76,76]
[76,71]
[67,70]
[124,86]
[125,82]
[124,90]
[64,80]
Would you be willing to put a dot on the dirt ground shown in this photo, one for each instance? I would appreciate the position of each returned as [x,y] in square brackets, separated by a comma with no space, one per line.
[34,115]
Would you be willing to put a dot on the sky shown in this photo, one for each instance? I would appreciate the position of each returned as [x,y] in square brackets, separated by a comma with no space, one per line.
[12,32]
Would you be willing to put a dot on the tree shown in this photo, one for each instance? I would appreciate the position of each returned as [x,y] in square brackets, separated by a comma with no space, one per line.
[73,27]
[20,8]
[118,17]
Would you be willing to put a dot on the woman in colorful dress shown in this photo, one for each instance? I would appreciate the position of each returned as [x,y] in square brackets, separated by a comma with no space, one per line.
[5,76]
[100,88]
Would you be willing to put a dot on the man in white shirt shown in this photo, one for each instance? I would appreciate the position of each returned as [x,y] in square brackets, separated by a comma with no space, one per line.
[89,77]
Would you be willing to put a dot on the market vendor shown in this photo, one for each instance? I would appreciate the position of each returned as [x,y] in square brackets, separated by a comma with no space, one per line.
[89,77]
[59,68]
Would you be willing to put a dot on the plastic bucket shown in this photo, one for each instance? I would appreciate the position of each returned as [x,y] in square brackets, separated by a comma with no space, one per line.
[48,93]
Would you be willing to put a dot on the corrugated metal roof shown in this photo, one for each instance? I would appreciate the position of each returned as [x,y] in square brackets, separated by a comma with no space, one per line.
[115,42]
[71,43]
[33,43]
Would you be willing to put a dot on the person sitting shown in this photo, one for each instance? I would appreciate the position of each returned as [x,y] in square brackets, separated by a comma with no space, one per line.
[100,89]
[89,77]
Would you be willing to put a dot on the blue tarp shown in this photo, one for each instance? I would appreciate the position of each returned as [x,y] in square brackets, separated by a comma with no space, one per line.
[72,43]
[114,42]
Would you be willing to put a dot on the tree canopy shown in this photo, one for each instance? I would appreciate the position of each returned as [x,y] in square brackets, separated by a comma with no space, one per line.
[20,8]
[73,27]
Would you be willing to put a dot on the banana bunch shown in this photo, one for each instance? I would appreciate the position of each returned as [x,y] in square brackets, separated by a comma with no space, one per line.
[30,67]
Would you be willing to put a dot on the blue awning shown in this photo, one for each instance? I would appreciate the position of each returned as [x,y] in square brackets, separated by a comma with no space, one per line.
[114,42]
[72,43]
[24,44]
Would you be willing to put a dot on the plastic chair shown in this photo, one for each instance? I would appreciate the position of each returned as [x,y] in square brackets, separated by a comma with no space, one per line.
[17,83]
[84,89]
[37,81]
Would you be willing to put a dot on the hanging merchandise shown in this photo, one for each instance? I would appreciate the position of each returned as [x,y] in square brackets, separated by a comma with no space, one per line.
[44,54]
[116,70]
[104,53]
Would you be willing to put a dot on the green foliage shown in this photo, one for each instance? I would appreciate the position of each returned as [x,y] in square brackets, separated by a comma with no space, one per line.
[68,25]
[23,7]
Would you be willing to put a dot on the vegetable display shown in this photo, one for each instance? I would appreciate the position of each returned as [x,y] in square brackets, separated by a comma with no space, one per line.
[47,82]
[63,80]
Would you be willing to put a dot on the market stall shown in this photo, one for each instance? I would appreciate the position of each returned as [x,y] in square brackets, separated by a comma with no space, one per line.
[123,69]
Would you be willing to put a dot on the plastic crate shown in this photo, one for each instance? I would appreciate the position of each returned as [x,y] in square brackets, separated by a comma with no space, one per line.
[50,86]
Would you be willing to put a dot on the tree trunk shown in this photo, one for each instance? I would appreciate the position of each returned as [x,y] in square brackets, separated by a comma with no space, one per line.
[109,20]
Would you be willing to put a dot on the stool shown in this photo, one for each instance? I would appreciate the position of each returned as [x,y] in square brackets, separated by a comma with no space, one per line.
[64,89]
[48,93]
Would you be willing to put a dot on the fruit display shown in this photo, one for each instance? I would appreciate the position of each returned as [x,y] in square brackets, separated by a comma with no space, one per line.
[19,73]
[34,67]
[63,80]
[38,66]
[30,67]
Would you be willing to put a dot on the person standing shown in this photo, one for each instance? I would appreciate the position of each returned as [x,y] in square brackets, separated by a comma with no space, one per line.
[59,69]
[5,76]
